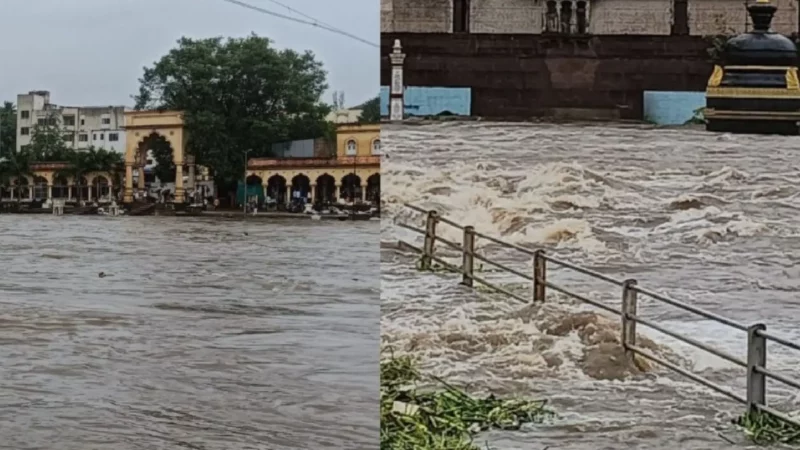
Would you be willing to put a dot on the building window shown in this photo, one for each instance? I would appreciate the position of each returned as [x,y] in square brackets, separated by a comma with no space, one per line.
[105,121]
[460,16]
[351,148]
[69,137]
[24,131]
[113,137]
[566,17]
[83,121]
[41,121]
[24,114]
[680,21]
[376,147]
[94,137]
[102,136]
[83,137]
[580,13]
[551,17]
[69,121]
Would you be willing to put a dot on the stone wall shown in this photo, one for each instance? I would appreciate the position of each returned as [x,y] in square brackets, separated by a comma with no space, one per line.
[522,75]
[606,17]
[417,16]
[631,17]
[708,17]
[506,16]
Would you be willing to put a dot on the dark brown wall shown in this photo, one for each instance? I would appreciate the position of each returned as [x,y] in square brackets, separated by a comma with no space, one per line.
[528,75]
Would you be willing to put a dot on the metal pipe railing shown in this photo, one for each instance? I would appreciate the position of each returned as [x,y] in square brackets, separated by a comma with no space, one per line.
[757,336]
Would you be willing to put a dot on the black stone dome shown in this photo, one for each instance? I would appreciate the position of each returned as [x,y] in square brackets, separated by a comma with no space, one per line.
[760,47]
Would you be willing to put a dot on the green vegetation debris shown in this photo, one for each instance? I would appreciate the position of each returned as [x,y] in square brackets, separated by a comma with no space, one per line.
[766,429]
[445,418]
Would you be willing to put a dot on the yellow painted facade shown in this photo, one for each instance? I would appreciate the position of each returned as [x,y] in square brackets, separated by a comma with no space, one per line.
[367,139]
[141,125]
[357,153]
[45,185]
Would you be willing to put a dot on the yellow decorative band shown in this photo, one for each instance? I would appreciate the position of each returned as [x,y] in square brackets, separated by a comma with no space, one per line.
[752,92]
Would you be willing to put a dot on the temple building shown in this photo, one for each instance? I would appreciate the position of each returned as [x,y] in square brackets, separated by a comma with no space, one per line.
[591,59]
[755,87]
[350,174]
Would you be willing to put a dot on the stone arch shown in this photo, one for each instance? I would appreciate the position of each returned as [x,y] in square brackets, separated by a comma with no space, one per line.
[60,187]
[143,125]
[301,183]
[101,187]
[326,189]
[40,187]
[80,188]
[276,188]
[350,187]
[374,188]
[254,179]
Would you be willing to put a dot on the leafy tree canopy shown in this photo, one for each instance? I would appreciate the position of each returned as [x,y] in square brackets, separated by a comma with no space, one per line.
[370,111]
[237,95]
[8,129]
[49,141]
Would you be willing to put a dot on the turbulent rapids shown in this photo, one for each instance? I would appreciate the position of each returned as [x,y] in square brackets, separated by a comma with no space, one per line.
[710,219]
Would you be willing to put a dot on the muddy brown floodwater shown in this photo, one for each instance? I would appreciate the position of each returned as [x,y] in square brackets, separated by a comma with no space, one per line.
[710,219]
[200,336]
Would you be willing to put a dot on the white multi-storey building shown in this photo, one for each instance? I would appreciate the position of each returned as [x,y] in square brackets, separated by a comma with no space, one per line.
[84,127]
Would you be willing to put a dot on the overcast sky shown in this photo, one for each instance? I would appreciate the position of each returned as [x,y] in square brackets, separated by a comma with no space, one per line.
[91,52]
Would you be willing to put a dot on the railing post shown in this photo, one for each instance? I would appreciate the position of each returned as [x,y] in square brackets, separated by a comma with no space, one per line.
[468,260]
[756,357]
[539,276]
[430,240]
[629,307]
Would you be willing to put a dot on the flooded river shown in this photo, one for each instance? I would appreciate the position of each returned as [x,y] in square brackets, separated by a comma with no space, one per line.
[203,334]
[710,219]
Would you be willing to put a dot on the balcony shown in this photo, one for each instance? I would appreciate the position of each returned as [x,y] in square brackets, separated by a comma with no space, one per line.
[345,161]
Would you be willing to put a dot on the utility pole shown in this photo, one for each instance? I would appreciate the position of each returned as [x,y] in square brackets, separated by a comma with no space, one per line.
[244,186]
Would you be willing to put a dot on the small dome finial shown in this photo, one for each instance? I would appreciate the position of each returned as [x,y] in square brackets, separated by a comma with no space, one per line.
[761,13]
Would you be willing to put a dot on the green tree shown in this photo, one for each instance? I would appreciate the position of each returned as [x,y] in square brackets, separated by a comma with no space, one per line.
[48,140]
[15,165]
[237,95]
[82,162]
[8,129]
[370,111]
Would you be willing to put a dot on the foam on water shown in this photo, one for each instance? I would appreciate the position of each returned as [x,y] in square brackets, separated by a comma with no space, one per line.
[700,216]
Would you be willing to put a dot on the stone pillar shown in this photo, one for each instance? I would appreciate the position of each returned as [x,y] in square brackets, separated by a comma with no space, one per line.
[288,193]
[49,191]
[179,182]
[140,183]
[337,190]
[266,193]
[69,192]
[312,192]
[363,192]
[396,90]
[191,181]
[127,194]
[90,193]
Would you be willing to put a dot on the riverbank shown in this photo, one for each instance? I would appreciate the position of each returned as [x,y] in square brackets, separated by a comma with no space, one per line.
[222,214]
[414,417]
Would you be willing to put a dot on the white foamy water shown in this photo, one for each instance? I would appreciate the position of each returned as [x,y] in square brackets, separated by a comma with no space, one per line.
[709,219]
